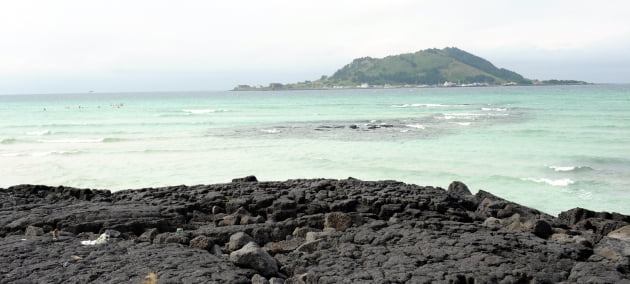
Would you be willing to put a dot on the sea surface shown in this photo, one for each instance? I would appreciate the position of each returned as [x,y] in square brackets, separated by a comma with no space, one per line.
[549,147]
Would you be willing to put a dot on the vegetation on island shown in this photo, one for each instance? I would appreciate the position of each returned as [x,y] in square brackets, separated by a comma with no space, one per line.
[449,67]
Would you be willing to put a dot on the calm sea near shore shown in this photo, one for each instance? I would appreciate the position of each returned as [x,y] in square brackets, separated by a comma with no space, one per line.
[552,148]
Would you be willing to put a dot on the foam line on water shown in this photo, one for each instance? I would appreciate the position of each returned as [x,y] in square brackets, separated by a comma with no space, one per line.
[553,182]
[203,111]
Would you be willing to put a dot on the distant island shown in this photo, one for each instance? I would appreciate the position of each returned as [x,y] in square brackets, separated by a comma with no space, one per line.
[447,67]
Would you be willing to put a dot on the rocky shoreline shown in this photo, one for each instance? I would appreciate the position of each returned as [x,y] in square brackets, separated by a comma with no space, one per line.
[302,231]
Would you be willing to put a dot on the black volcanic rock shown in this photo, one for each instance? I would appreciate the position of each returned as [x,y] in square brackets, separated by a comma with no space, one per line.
[383,232]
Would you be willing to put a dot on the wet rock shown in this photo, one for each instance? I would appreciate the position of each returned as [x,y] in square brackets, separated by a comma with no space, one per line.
[252,256]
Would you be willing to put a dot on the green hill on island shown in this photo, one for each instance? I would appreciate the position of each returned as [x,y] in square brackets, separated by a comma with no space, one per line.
[431,67]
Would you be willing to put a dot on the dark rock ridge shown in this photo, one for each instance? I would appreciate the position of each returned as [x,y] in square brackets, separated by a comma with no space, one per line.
[302,231]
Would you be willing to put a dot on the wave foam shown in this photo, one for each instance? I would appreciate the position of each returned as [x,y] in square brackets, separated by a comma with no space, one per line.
[553,182]
[417,126]
[39,133]
[462,123]
[71,141]
[11,154]
[203,111]
[270,131]
[493,109]
[425,105]
[569,168]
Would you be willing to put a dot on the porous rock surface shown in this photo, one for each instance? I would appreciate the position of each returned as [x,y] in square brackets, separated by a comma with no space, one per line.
[316,231]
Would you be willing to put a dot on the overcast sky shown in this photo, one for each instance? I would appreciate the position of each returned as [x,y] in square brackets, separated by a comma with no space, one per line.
[153,45]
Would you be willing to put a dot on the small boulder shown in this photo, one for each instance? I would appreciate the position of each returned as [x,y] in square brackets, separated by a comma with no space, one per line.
[246,179]
[458,188]
[202,242]
[337,220]
[492,223]
[252,256]
[148,235]
[34,231]
[505,212]
[259,279]
[276,280]
[542,229]
[229,220]
[622,233]
[238,240]
[171,238]
[613,249]
[388,210]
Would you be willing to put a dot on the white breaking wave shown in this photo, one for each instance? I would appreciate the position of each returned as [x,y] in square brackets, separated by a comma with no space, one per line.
[417,126]
[424,105]
[39,133]
[462,123]
[271,131]
[11,154]
[203,111]
[562,169]
[554,182]
[471,116]
[493,109]
[569,168]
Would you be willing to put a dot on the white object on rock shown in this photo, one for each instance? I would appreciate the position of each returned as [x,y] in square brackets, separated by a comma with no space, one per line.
[102,239]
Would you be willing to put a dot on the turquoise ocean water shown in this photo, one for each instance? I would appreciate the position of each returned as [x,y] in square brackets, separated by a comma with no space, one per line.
[552,148]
